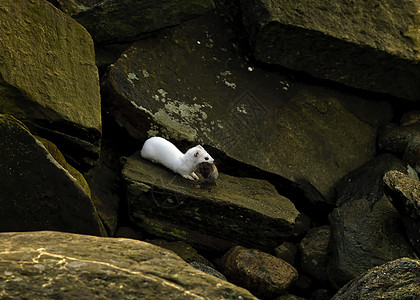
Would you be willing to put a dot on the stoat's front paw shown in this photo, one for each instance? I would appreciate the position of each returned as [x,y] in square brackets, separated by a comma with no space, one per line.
[194,176]
[189,177]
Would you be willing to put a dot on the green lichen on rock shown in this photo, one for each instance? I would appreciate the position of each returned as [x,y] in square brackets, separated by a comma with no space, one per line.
[48,76]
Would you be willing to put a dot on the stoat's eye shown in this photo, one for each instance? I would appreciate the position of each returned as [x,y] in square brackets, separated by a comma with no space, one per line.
[206,158]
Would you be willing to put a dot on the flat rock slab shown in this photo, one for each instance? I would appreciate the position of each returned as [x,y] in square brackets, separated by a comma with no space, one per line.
[48,76]
[54,265]
[190,84]
[36,192]
[372,45]
[234,211]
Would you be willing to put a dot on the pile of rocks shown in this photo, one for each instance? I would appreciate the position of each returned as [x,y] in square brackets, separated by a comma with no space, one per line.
[318,188]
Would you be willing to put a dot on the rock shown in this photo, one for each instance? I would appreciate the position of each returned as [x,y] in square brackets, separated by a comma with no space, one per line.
[54,265]
[398,279]
[404,193]
[404,141]
[342,41]
[119,21]
[189,84]
[37,192]
[207,269]
[314,254]
[48,77]
[363,237]
[59,157]
[287,252]
[365,233]
[410,118]
[365,228]
[366,182]
[303,223]
[185,251]
[261,273]
[236,210]
[105,184]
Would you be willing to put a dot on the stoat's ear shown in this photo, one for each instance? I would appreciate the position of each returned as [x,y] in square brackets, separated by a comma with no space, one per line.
[197,153]
[200,147]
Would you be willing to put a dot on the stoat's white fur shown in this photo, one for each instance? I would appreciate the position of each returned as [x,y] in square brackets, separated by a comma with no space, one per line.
[161,151]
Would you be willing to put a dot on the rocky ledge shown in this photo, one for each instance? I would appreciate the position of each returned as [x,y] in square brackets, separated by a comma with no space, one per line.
[216,216]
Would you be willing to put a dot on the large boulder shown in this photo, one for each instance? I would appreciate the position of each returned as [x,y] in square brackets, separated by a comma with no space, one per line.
[36,191]
[398,279]
[125,20]
[234,211]
[54,265]
[372,45]
[190,84]
[48,77]
[366,230]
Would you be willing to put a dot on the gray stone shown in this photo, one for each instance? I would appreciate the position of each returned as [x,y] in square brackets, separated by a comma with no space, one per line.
[398,279]
[48,77]
[207,269]
[363,237]
[263,274]
[287,252]
[54,265]
[366,230]
[372,45]
[404,193]
[191,86]
[36,191]
[366,182]
[314,253]
[113,21]
[234,211]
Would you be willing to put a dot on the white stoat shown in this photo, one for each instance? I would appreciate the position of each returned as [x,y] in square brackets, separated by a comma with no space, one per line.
[161,151]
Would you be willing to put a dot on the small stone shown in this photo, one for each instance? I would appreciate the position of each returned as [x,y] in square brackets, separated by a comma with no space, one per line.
[287,252]
[261,273]
[314,255]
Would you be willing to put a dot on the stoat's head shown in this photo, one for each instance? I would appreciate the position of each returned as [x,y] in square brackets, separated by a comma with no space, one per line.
[200,155]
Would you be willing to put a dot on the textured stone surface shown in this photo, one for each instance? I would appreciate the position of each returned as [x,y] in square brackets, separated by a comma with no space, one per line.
[364,236]
[189,85]
[263,274]
[53,265]
[367,181]
[36,192]
[48,77]
[373,45]
[366,230]
[403,140]
[314,254]
[399,279]
[126,20]
[234,211]
[404,193]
